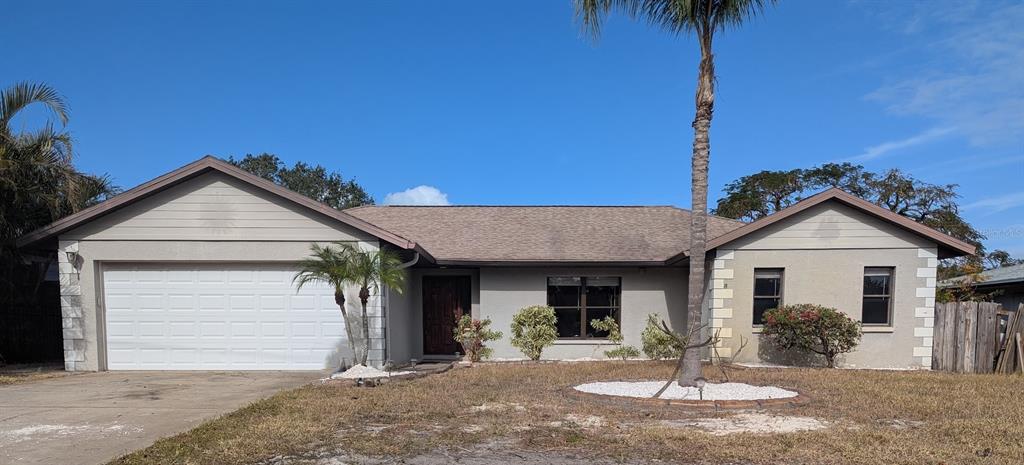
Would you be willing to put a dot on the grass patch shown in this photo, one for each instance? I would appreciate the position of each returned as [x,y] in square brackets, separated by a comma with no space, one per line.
[875,417]
[18,374]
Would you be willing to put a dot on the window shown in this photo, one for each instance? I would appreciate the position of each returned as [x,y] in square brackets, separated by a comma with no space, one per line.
[877,296]
[577,300]
[767,291]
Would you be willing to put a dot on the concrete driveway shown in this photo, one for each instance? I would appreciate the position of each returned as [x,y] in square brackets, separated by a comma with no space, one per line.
[95,417]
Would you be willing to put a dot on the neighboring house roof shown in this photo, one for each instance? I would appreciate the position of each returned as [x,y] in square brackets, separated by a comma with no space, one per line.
[1004,275]
[544,234]
[202,166]
[949,246]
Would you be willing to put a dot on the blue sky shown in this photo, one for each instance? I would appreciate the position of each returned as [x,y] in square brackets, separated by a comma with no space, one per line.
[506,102]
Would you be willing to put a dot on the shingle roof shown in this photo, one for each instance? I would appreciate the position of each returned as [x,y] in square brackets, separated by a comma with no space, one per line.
[1004,275]
[526,234]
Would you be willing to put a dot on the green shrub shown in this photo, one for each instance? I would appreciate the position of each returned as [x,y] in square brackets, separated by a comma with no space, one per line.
[623,353]
[656,344]
[812,328]
[472,334]
[609,325]
[533,329]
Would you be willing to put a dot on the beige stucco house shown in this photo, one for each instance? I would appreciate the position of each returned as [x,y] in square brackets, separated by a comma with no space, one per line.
[193,270]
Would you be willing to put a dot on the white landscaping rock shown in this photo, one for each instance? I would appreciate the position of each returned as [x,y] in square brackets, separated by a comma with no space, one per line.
[712,391]
[365,372]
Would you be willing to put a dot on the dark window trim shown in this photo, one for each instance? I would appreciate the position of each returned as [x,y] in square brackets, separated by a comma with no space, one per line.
[782,290]
[583,307]
[892,286]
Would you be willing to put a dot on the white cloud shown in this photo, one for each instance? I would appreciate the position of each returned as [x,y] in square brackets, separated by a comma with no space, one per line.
[968,164]
[879,150]
[419,195]
[998,203]
[971,78]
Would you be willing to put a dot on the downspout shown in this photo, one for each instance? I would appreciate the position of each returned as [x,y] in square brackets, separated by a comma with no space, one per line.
[387,302]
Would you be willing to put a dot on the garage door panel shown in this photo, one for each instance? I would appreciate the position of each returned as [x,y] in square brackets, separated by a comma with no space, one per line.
[218,317]
[272,302]
[181,302]
[242,302]
[213,302]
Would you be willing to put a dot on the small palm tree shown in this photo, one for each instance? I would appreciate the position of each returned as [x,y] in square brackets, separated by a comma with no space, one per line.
[344,264]
[370,270]
[703,18]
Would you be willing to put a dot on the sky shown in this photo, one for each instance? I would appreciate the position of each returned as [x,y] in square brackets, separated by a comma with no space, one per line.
[471,102]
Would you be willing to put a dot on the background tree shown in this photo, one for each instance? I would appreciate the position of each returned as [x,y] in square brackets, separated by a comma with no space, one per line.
[1000,258]
[313,181]
[703,18]
[758,195]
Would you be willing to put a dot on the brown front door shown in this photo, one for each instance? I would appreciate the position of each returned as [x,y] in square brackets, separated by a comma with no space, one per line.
[445,300]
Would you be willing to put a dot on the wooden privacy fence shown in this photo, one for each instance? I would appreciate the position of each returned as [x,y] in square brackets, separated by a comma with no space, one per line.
[976,337]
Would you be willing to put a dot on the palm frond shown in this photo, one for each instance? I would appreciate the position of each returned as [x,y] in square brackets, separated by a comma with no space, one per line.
[92,189]
[374,268]
[675,16]
[15,98]
[327,265]
[390,271]
[343,262]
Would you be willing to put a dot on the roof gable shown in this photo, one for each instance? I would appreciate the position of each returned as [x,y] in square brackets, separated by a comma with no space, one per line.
[214,206]
[948,246]
[188,172]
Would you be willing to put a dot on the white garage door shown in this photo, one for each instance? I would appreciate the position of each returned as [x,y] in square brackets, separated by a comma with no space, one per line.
[218,317]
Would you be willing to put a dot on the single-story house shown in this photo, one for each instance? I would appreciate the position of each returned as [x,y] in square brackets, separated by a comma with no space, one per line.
[193,271]
[1004,285]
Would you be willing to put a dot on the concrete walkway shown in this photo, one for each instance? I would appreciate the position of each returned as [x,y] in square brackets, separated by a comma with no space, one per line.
[95,417]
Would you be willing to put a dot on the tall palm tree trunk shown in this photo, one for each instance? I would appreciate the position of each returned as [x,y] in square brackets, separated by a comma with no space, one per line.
[364,297]
[705,100]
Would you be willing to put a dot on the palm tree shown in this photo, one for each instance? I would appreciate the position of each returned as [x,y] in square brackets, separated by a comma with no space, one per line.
[346,264]
[703,18]
[370,270]
[36,173]
[38,183]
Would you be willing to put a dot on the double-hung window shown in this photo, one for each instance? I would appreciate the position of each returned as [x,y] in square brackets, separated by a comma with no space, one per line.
[579,299]
[877,307]
[767,291]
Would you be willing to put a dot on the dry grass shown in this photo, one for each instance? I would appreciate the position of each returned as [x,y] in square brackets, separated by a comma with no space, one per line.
[875,417]
[18,374]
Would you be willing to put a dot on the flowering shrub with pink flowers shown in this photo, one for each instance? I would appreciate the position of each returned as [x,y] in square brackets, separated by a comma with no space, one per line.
[813,328]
